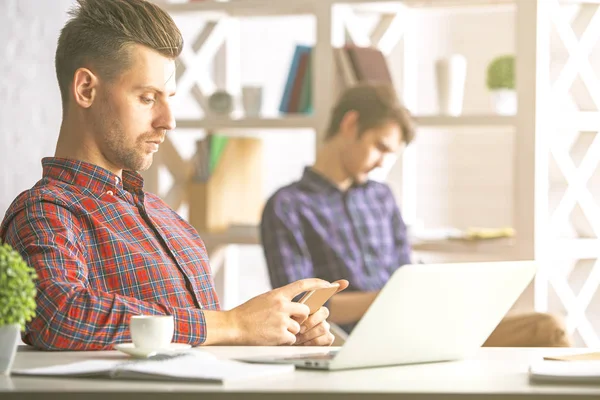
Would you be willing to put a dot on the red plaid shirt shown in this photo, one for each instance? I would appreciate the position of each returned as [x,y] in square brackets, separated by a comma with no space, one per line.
[105,250]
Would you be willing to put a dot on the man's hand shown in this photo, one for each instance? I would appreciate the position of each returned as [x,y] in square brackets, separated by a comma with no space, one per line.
[314,330]
[272,318]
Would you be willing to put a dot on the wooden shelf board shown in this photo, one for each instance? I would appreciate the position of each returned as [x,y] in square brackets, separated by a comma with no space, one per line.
[308,122]
[394,6]
[492,246]
[286,122]
[250,8]
[256,8]
[249,235]
[465,120]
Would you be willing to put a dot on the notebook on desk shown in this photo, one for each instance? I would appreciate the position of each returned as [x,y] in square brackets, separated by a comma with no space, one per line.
[188,367]
[553,371]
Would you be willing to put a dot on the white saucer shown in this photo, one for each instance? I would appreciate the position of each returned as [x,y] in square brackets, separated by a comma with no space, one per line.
[129,348]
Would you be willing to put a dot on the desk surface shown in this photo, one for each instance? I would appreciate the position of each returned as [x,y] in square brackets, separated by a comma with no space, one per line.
[491,374]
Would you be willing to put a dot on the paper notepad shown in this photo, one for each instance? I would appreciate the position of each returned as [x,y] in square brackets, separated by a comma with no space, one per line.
[557,371]
[189,367]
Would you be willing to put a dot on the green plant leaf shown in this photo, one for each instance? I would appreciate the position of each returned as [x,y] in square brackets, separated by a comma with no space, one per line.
[501,73]
[17,288]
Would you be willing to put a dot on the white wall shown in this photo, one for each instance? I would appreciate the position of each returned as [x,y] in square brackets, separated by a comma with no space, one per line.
[29,97]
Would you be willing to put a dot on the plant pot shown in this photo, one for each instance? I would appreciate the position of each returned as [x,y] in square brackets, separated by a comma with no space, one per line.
[9,340]
[504,101]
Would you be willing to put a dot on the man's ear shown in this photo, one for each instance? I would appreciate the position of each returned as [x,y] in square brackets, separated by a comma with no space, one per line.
[349,125]
[85,85]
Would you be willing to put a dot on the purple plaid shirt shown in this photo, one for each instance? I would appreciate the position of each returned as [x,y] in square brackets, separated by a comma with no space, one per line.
[312,229]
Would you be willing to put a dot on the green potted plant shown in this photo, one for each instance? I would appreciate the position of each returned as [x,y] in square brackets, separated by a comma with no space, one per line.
[501,83]
[17,302]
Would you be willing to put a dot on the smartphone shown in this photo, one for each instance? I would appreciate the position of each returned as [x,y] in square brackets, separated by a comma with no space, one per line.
[316,298]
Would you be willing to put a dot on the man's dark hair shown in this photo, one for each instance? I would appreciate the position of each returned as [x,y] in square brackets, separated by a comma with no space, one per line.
[100,32]
[376,105]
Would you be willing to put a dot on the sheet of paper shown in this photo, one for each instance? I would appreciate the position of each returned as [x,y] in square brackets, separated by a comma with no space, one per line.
[79,368]
[202,369]
[188,367]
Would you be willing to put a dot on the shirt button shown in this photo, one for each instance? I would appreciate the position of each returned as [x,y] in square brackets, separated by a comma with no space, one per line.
[117,179]
[110,192]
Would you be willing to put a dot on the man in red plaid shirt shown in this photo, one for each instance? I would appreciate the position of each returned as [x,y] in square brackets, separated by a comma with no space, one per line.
[104,249]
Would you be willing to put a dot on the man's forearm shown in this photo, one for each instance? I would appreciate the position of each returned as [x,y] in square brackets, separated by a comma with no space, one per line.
[223,330]
[72,318]
[346,308]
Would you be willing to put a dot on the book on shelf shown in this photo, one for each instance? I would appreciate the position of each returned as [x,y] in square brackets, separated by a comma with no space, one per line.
[344,67]
[209,151]
[226,185]
[369,64]
[297,73]
[354,65]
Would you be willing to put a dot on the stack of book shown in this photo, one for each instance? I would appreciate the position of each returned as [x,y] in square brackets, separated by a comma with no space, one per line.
[208,153]
[225,188]
[354,65]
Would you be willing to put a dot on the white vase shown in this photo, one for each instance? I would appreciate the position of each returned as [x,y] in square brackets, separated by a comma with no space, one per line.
[504,101]
[451,74]
[252,98]
[9,340]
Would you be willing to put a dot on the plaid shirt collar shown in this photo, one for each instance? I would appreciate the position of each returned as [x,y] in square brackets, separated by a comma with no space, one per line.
[89,176]
[315,181]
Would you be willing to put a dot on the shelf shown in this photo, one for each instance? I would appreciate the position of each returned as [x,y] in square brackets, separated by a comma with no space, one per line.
[308,122]
[394,6]
[245,8]
[287,122]
[431,121]
[249,235]
[257,8]
[455,246]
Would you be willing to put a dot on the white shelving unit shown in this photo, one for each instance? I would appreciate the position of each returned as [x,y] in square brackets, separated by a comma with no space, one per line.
[336,23]
[228,124]
[308,122]
[535,19]
[435,121]
[335,20]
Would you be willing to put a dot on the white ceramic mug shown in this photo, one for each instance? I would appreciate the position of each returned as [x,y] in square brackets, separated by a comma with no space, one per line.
[152,331]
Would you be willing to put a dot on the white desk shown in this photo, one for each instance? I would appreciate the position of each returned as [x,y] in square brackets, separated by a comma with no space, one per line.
[494,373]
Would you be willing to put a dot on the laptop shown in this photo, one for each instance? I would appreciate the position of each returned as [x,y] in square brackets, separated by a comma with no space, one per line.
[425,313]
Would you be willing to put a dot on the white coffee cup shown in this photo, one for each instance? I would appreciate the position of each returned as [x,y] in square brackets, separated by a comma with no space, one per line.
[151,331]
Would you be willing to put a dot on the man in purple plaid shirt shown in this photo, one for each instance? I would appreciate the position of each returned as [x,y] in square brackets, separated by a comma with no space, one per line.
[335,223]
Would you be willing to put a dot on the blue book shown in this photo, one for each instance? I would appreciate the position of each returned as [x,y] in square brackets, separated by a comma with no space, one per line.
[287,93]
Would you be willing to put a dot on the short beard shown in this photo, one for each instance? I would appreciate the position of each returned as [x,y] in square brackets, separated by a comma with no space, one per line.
[116,148]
